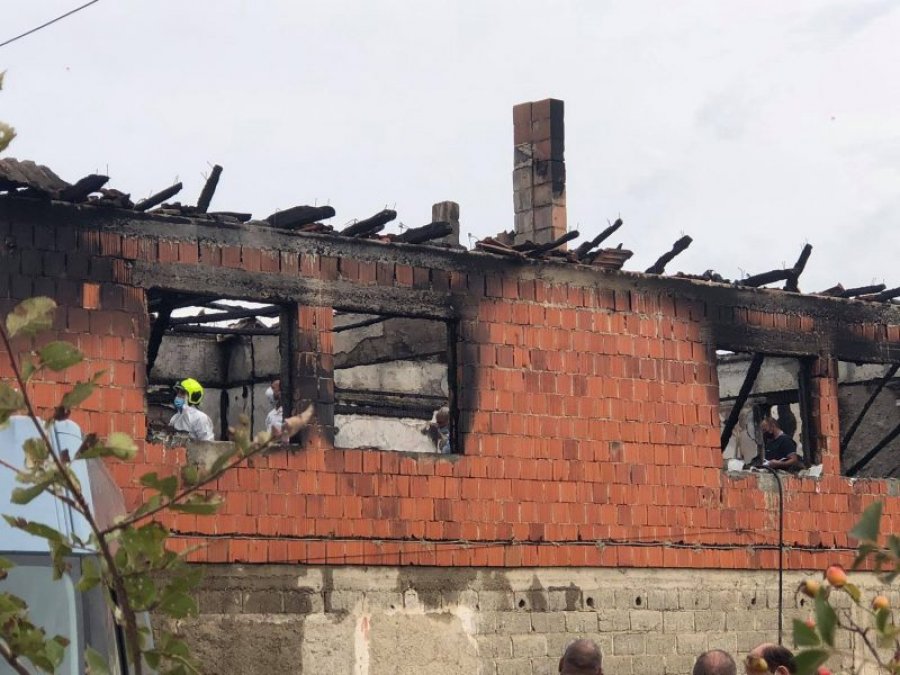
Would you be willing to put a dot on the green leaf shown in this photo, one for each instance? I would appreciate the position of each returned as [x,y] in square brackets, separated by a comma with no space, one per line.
[78,395]
[222,461]
[882,616]
[808,661]
[30,317]
[166,486]
[59,355]
[36,450]
[804,636]
[27,369]
[59,551]
[178,605]
[118,444]
[5,565]
[190,474]
[37,529]
[853,591]
[90,575]
[199,505]
[55,650]
[893,544]
[867,528]
[11,402]
[21,495]
[96,664]
[826,619]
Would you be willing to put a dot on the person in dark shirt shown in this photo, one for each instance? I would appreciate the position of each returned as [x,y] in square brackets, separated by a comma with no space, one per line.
[781,450]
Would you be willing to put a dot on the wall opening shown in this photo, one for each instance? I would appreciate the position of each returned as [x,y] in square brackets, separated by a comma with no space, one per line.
[232,347]
[754,390]
[869,414]
[394,383]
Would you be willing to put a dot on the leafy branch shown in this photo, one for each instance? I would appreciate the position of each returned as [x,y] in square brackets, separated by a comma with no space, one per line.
[132,553]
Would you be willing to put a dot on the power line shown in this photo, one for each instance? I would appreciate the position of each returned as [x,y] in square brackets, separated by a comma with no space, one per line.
[51,22]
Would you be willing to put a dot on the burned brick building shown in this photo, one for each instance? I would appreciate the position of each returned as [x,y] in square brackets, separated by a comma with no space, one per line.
[586,491]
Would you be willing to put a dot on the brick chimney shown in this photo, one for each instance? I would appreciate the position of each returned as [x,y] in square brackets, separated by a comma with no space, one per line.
[539,171]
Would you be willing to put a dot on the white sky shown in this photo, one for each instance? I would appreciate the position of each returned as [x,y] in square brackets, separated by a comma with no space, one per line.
[752,126]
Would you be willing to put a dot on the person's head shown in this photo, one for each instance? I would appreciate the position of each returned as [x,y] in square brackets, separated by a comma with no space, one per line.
[188,391]
[770,658]
[715,662]
[770,427]
[273,393]
[581,657]
[442,417]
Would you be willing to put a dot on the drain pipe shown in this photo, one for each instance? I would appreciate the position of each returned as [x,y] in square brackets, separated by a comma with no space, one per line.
[780,550]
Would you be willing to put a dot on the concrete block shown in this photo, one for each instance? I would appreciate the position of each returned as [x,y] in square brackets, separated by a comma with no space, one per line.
[545,666]
[725,641]
[514,667]
[565,600]
[678,622]
[550,622]
[710,620]
[679,665]
[620,665]
[663,600]
[725,601]
[263,602]
[494,646]
[385,600]
[693,599]
[646,620]
[494,601]
[661,644]
[609,620]
[513,622]
[529,645]
[629,644]
[343,601]
[691,644]
[300,602]
[747,640]
[581,622]
[220,602]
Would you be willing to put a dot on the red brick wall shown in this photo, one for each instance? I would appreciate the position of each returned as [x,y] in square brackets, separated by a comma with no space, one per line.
[587,415]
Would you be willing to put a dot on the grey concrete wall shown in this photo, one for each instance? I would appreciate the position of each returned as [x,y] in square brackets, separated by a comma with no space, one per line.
[882,417]
[398,621]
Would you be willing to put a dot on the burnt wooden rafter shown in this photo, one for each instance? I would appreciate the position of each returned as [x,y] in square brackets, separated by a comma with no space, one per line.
[158,198]
[660,265]
[743,394]
[371,225]
[209,189]
[799,266]
[298,216]
[420,235]
[888,376]
[870,455]
[587,246]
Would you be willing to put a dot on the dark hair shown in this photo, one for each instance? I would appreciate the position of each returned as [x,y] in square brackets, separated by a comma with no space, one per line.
[776,655]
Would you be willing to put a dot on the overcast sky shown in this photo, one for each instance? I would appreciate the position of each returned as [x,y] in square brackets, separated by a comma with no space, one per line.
[755,127]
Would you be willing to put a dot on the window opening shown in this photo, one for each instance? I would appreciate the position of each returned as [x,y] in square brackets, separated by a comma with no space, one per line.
[231,347]
[394,383]
[869,419]
[762,398]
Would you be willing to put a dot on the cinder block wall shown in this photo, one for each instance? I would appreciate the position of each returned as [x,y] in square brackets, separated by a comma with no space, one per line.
[408,620]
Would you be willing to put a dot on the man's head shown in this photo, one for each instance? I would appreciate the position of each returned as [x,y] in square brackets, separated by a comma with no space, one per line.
[188,391]
[273,393]
[770,658]
[715,662]
[581,657]
[442,417]
[770,427]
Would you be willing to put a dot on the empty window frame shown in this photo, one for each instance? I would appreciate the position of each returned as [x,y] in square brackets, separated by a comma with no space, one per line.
[395,383]
[753,387]
[869,414]
[232,347]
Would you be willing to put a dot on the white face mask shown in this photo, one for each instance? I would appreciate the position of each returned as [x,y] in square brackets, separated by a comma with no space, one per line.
[270,396]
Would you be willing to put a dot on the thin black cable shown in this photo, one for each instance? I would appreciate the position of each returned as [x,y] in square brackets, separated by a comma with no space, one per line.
[49,23]
[780,550]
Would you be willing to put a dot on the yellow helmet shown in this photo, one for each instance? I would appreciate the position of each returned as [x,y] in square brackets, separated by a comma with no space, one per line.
[193,389]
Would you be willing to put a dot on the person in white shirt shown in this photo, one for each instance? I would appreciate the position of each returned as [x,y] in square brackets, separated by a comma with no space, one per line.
[275,418]
[189,418]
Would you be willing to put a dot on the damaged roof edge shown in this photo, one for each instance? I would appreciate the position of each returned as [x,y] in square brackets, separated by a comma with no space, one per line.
[260,234]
